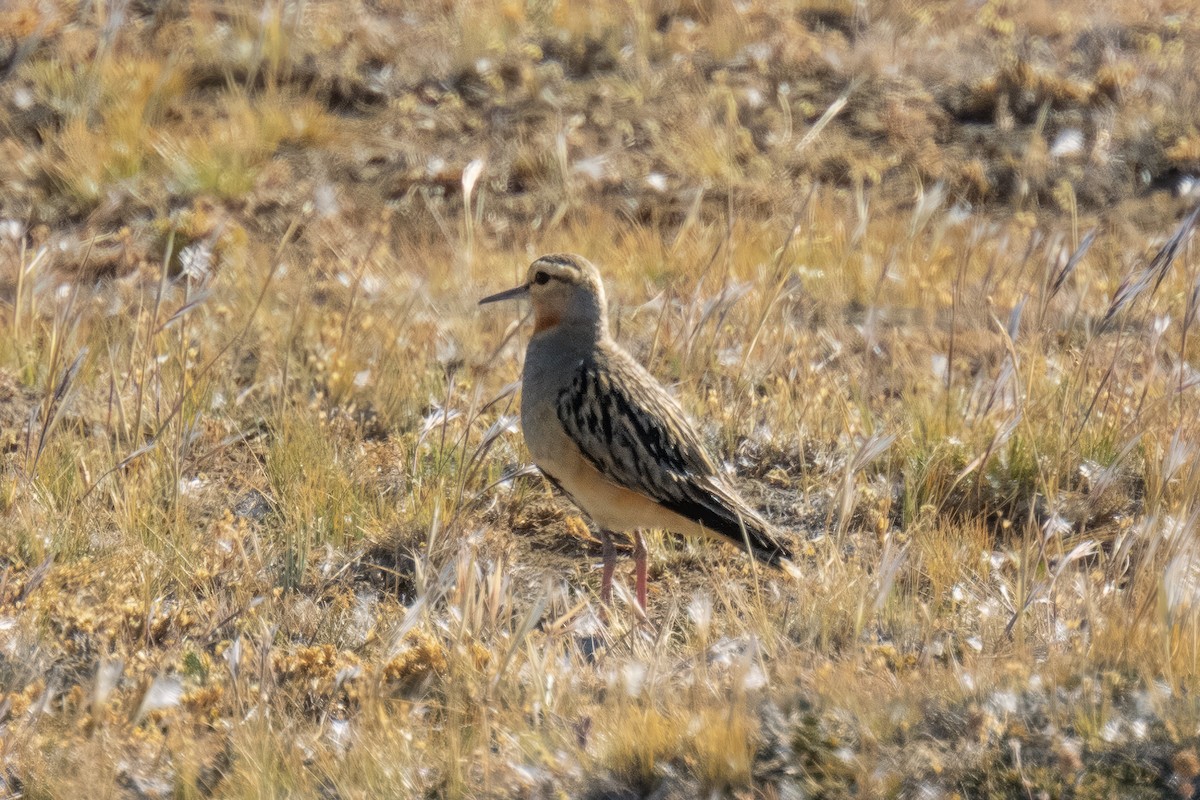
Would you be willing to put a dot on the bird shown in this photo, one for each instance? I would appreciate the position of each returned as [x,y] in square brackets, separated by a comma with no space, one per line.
[604,431]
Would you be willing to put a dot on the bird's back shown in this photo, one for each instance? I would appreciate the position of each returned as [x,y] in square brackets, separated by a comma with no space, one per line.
[594,414]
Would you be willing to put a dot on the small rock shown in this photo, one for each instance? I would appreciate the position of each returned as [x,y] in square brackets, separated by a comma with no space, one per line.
[252,505]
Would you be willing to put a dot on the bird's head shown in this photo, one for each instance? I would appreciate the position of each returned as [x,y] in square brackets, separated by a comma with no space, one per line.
[564,290]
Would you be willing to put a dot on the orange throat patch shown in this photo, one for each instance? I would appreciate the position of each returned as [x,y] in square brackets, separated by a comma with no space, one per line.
[544,322]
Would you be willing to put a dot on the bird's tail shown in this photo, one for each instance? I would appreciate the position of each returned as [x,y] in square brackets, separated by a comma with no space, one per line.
[753,533]
[717,508]
[759,539]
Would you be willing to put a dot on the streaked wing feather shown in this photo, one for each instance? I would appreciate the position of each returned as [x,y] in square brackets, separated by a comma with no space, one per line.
[637,436]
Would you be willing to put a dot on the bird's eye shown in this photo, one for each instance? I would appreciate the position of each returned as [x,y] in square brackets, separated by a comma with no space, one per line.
[541,278]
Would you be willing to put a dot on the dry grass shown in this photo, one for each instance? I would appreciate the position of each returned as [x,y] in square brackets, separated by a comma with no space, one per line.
[922,271]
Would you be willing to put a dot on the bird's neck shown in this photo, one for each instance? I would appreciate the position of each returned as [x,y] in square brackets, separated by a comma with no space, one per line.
[584,331]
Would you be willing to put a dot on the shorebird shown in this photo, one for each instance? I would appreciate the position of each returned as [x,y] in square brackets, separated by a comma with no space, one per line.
[605,432]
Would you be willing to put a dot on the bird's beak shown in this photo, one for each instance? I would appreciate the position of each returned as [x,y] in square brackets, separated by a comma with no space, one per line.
[516,293]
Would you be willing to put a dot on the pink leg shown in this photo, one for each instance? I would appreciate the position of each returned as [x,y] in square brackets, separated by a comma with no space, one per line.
[639,560]
[609,551]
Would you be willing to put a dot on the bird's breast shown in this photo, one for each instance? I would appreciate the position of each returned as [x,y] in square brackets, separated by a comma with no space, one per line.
[545,376]
[612,507]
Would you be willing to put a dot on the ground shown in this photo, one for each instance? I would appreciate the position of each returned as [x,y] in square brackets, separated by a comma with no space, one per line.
[922,273]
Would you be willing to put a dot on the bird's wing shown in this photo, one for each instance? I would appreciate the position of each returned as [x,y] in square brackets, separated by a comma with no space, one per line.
[638,437]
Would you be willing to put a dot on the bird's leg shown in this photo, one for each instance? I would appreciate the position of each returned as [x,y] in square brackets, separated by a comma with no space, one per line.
[609,551]
[639,564]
